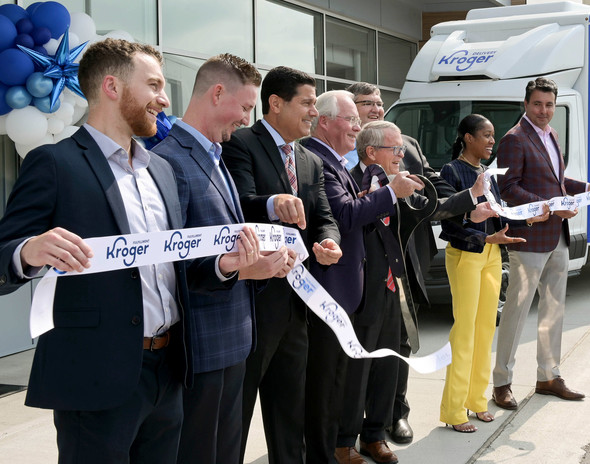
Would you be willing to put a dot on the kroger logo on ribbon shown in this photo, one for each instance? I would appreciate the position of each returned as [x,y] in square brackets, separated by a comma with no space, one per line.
[275,237]
[464,60]
[119,249]
[301,282]
[224,238]
[533,208]
[176,243]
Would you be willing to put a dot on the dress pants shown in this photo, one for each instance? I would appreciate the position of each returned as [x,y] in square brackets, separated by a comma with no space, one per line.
[276,371]
[475,280]
[326,375]
[401,406]
[145,429]
[371,383]
[529,272]
[212,426]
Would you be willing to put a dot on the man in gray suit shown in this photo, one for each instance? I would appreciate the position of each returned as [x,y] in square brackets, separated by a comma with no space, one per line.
[224,94]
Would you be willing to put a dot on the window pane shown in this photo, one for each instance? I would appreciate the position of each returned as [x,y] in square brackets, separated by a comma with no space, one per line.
[434,124]
[350,51]
[209,28]
[137,17]
[395,57]
[180,73]
[298,31]
[73,6]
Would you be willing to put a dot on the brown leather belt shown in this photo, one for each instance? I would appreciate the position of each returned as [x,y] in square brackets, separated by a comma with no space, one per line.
[156,343]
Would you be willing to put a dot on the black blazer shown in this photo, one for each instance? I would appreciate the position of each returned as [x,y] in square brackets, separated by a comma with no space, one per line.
[257,169]
[92,359]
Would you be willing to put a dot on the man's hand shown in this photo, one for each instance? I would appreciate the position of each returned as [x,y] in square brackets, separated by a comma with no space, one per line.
[59,248]
[291,257]
[246,255]
[501,237]
[481,212]
[541,217]
[289,209]
[477,188]
[269,264]
[566,213]
[404,184]
[328,252]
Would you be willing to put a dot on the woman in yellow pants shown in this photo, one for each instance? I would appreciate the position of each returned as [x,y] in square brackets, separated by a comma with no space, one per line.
[474,267]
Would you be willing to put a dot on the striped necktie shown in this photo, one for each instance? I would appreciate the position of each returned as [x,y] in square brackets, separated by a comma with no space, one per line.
[290,167]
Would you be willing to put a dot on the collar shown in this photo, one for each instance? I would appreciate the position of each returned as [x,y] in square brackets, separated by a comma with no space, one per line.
[141,157]
[212,148]
[341,159]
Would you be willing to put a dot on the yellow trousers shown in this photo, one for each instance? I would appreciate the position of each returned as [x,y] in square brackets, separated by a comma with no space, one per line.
[475,280]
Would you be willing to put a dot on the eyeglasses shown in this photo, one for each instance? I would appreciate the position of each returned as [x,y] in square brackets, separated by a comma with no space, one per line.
[370,103]
[352,120]
[396,150]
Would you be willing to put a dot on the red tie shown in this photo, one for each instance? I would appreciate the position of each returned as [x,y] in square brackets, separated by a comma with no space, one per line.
[290,167]
[390,279]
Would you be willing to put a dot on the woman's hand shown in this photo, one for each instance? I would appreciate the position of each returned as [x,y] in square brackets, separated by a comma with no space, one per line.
[500,238]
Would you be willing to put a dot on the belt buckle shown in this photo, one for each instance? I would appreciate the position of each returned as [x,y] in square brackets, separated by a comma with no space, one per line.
[152,343]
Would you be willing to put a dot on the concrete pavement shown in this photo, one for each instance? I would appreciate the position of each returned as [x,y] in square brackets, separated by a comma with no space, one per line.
[544,429]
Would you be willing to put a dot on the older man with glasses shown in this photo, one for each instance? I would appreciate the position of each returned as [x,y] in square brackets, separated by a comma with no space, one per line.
[334,133]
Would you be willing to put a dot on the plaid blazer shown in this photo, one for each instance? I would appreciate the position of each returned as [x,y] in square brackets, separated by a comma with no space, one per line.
[531,177]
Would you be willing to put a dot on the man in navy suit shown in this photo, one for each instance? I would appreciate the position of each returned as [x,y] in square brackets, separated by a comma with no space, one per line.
[334,133]
[257,159]
[113,366]
[224,94]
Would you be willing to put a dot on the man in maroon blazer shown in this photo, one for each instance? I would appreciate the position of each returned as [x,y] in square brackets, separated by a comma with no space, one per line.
[535,172]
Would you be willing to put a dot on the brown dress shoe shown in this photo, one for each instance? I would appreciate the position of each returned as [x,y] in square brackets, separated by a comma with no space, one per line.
[504,398]
[348,455]
[558,388]
[379,452]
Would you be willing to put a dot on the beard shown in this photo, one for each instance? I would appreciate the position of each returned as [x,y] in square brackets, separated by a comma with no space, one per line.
[136,116]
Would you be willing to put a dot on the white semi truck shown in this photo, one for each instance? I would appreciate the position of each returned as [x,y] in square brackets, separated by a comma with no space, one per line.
[482,65]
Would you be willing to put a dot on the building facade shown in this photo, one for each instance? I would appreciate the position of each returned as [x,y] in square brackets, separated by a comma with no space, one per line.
[337,41]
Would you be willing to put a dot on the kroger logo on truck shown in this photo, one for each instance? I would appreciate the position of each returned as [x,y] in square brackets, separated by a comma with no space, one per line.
[464,59]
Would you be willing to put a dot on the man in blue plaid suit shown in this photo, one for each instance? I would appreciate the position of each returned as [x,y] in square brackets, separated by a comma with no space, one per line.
[225,92]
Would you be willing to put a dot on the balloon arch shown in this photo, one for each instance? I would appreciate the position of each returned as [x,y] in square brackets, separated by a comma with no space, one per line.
[40,48]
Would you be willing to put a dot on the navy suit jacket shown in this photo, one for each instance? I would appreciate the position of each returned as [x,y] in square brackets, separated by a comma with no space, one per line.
[344,280]
[223,320]
[92,359]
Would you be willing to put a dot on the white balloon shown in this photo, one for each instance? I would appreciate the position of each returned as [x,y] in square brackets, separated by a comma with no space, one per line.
[55,125]
[67,132]
[51,46]
[117,34]
[23,149]
[67,96]
[83,26]
[3,124]
[79,112]
[73,40]
[26,125]
[65,112]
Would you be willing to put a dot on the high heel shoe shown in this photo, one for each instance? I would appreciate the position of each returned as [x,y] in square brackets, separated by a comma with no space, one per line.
[465,427]
[485,416]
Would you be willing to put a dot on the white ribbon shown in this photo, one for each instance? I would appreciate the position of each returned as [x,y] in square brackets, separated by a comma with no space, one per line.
[535,208]
[124,251]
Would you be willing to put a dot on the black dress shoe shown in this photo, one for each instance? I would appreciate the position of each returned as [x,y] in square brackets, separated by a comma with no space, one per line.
[401,432]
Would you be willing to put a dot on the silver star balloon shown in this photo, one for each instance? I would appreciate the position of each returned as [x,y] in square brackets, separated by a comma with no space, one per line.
[61,67]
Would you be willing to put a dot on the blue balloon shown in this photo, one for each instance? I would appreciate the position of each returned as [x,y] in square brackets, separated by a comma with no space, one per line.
[41,35]
[13,12]
[25,40]
[44,104]
[7,33]
[52,15]
[24,26]
[15,67]
[17,97]
[41,49]
[38,85]
[4,108]
[32,7]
